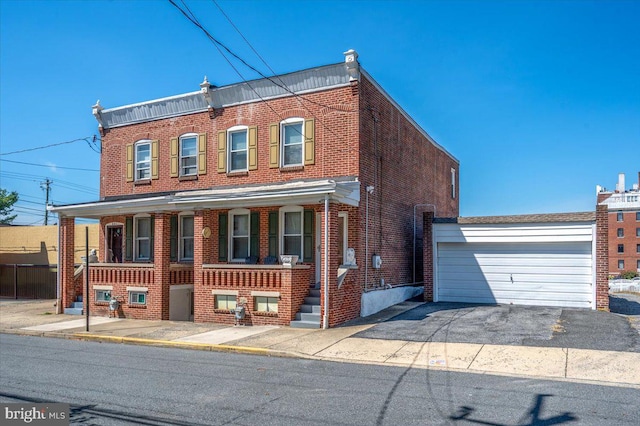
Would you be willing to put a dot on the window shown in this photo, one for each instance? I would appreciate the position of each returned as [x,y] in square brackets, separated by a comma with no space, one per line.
[225,301]
[637,215]
[142,238]
[186,237]
[620,232]
[137,297]
[143,160]
[292,142]
[237,142]
[342,236]
[637,248]
[239,226]
[266,304]
[620,264]
[620,248]
[188,155]
[103,295]
[291,225]
[638,265]
[637,232]
[620,216]
[453,183]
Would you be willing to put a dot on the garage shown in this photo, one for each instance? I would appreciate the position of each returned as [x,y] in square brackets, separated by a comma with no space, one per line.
[545,260]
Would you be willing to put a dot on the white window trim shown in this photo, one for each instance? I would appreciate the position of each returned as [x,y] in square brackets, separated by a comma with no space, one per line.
[215,292]
[283,123]
[135,159]
[265,293]
[239,212]
[282,211]
[453,183]
[103,287]
[187,136]
[181,256]
[345,236]
[136,255]
[237,129]
[135,290]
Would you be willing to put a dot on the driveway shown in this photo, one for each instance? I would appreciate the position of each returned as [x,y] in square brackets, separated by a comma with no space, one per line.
[518,325]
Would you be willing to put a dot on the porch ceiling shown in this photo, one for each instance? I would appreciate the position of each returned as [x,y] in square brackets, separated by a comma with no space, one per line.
[278,194]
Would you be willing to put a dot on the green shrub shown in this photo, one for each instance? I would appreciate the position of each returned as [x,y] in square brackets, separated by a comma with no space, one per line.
[627,275]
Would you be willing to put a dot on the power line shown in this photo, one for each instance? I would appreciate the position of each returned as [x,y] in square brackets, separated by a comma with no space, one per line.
[192,18]
[50,165]
[93,138]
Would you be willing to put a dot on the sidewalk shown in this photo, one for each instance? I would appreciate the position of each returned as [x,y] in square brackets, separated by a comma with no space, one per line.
[336,344]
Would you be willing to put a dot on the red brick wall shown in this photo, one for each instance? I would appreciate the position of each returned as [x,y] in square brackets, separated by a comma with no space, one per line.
[630,241]
[602,261]
[406,170]
[358,132]
[336,124]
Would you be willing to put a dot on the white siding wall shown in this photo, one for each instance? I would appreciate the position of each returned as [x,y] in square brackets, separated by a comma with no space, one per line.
[532,264]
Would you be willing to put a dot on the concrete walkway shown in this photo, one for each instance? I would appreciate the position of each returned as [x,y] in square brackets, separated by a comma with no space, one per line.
[337,344]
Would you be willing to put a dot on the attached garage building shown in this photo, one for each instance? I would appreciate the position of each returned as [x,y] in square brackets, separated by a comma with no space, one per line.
[547,260]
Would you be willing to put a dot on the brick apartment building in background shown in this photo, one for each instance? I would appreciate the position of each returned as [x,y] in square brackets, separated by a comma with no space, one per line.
[624,225]
[201,195]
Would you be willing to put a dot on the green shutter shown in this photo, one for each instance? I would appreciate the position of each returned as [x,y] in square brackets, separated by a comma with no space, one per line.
[254,235]
[173,239]
[151,239]
[308,236]
[223,242]
[128,239]
[273,234]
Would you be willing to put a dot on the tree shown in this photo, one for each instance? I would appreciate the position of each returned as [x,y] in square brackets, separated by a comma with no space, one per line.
[7,200]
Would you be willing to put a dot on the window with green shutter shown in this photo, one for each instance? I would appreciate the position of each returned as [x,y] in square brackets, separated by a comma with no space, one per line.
[223,247]
[273,234]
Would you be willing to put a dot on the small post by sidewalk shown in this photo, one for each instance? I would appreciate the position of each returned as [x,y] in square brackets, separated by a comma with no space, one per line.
[85,298]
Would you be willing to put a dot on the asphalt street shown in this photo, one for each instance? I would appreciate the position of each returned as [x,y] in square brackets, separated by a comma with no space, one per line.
[108,384]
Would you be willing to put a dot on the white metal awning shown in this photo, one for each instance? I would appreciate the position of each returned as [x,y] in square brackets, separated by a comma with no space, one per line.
[277,194]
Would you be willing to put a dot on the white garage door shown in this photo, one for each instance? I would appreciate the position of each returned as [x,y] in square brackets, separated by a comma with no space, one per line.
[548,274]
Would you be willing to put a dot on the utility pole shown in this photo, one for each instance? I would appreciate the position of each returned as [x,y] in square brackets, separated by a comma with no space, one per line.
[46,185]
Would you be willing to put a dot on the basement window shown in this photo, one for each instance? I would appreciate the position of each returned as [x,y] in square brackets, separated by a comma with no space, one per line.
[225,301]
[103,295]
[266,304]
[137,298]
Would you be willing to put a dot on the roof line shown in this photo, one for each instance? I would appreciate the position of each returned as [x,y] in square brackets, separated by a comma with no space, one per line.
[406,115]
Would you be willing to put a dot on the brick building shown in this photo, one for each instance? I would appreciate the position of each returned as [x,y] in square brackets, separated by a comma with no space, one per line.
[624,225]
[201,195]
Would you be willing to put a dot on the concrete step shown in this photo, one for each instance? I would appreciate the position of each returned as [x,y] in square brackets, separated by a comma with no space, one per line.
[74,311]
[311,300]
[314,293]
[310,309]
[302,316]
[304,324]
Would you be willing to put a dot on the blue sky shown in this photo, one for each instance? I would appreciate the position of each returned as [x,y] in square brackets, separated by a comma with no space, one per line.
[540,101]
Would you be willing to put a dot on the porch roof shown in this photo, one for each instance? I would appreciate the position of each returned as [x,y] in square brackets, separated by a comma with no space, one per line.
[346,191]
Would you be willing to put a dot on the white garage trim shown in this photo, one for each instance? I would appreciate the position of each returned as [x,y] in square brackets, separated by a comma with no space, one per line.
[550,264]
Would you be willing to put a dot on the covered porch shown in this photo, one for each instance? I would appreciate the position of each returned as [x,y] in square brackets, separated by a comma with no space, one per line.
[198,255]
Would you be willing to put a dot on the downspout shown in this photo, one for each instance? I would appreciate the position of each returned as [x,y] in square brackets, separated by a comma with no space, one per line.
[414,234]
[325,323]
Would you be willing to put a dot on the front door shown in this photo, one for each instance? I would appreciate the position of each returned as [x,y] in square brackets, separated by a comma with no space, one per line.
[114,244]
